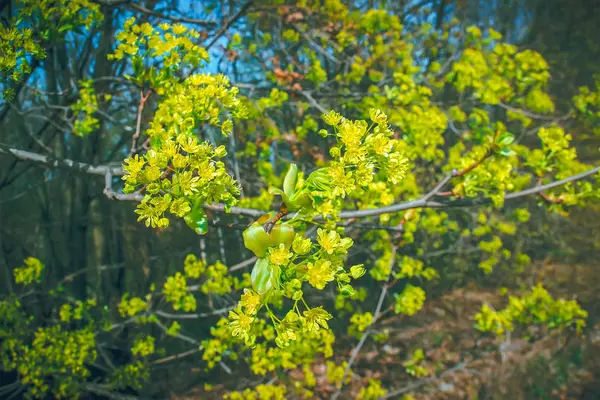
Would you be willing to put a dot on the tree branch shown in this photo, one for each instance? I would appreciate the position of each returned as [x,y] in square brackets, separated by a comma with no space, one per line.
[530,114]
[200,22]
[230,22]
[61,163]
[175,356]
[425,381]
[423,202]
[138,124]
[167,315]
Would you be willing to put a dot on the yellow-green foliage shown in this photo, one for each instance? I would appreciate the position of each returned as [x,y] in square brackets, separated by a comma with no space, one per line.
[535,308]
[410,301]
[412,366]
[36,23]
[52,356]
[29,272]
[392,144]
[84,108]
[372,392]
[271,392]
[179,173]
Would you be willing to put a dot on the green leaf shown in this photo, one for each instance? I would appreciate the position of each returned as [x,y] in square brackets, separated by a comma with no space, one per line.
[507,152]
[136,63]
[264,276]
[66,27]
[284,197]
[289,183]
[196,219]
[155,142]
[506,139]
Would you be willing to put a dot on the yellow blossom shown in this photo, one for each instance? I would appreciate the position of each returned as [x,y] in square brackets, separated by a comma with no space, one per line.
[251,301]
[279,255]
[320,273]
[328,240]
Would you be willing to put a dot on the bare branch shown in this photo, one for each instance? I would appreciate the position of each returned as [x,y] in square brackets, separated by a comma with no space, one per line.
[64,163]
[425,381]
[220,311]
[441,185]
[230,22]
[138,124]
[175,356]
[200,22]
[530,114]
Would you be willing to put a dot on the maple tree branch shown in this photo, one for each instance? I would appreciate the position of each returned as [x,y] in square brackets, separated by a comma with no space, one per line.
[423,202]
[175,356]
[61,163]
[471,167]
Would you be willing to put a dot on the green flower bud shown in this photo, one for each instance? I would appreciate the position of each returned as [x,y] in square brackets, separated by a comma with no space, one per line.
[282,233]
[347,291]
[301,245]
[323,133]
[357,271]
[343,278]
[220,152]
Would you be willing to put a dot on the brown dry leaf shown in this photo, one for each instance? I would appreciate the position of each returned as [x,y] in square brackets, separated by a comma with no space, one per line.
[294,17]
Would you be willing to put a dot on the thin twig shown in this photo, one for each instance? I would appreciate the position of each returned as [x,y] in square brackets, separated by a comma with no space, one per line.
[175,356]
[471,167]
[138,124]
[530,114]
[230,22]
[440,185]
[425,381]
[200,22]
[167,315]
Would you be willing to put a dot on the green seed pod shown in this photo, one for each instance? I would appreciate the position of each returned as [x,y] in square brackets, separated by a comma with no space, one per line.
[258,240]
[282,233]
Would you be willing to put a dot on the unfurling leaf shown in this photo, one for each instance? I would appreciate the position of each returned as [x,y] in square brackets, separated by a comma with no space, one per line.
[196,219]
[265,276]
